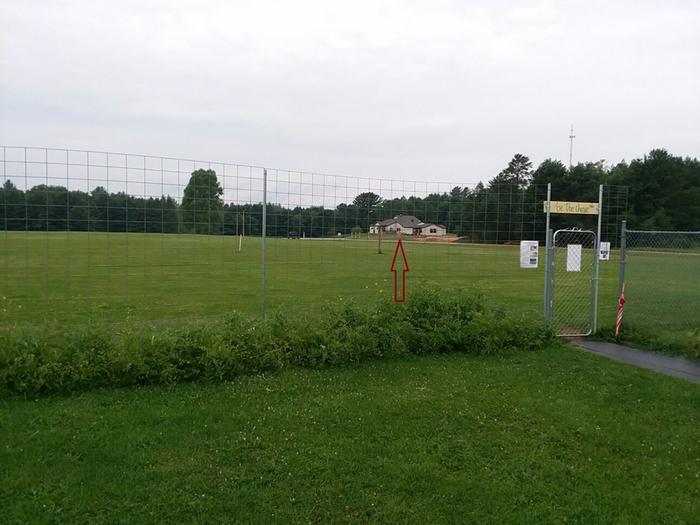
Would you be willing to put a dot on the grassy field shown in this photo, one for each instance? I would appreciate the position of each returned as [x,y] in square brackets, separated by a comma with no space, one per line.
[663,287]
[74,277]
[662,310]
[543,437]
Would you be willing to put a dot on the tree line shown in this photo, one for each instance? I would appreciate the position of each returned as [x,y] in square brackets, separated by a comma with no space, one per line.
[659,191]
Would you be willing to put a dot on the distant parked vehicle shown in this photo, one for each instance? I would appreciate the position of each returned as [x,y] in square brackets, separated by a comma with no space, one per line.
[292,235]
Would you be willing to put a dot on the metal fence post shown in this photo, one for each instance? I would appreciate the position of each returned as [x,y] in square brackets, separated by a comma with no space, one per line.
[264,244]
[623,254]
[548,240]
[596,277]
[548,277]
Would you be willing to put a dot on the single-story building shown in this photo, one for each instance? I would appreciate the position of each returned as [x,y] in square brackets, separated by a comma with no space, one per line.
[408,225]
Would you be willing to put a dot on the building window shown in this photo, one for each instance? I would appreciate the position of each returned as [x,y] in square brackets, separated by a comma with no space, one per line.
[433,230]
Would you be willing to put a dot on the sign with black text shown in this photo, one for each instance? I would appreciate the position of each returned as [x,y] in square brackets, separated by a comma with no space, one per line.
[529,254]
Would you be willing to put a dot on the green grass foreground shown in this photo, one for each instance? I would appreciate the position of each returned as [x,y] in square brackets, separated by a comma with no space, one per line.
[525,437]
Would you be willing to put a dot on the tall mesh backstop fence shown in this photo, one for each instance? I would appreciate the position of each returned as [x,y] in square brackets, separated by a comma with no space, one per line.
[662,281]
[110,237]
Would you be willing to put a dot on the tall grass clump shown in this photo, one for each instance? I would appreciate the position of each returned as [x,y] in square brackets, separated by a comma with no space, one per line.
[47,360]
[683,341]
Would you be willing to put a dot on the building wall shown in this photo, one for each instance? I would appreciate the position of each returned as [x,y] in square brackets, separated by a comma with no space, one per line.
[439,232]
[392,228]
[396,227]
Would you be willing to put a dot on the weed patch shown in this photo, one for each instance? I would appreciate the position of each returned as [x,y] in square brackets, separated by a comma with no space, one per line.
[43,361]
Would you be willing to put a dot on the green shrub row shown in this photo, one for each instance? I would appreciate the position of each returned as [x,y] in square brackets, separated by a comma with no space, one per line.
[43,361]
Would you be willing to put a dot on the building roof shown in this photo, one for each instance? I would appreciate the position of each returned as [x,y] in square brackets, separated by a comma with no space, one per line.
[425,225]
[406,221]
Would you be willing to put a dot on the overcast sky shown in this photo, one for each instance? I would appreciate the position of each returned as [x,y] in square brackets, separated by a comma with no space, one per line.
[434,90]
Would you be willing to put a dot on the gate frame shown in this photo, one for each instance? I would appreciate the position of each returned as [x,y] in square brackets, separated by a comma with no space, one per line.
[594,280]
[549,261]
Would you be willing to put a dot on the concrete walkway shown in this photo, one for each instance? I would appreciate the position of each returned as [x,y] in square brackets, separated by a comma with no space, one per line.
[663,364]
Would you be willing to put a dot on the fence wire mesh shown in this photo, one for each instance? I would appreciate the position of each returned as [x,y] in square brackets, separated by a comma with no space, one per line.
[573,264]
[662,280]
[101,236]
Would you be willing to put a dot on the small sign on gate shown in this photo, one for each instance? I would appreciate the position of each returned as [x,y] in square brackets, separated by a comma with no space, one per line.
[573,258]
[604,251]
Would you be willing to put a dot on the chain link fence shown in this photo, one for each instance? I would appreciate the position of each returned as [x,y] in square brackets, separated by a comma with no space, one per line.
[661,275]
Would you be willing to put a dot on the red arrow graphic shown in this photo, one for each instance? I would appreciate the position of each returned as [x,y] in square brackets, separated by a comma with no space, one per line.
[400,298]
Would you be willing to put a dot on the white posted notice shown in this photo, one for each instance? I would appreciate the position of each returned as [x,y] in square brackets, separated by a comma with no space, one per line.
[529,251]
[604,251]
[573,258]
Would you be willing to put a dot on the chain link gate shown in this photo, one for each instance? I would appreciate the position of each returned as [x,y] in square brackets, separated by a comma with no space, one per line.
[572,273]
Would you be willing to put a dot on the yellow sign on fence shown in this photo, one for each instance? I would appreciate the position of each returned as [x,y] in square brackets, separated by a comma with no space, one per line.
[583,208]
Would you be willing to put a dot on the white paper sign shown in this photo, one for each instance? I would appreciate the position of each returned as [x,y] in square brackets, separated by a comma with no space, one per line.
[529,254]
[604,251]
[573,258]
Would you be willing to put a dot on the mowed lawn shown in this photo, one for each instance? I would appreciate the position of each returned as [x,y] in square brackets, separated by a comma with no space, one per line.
[545,437]
[663,288]
[75,277]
